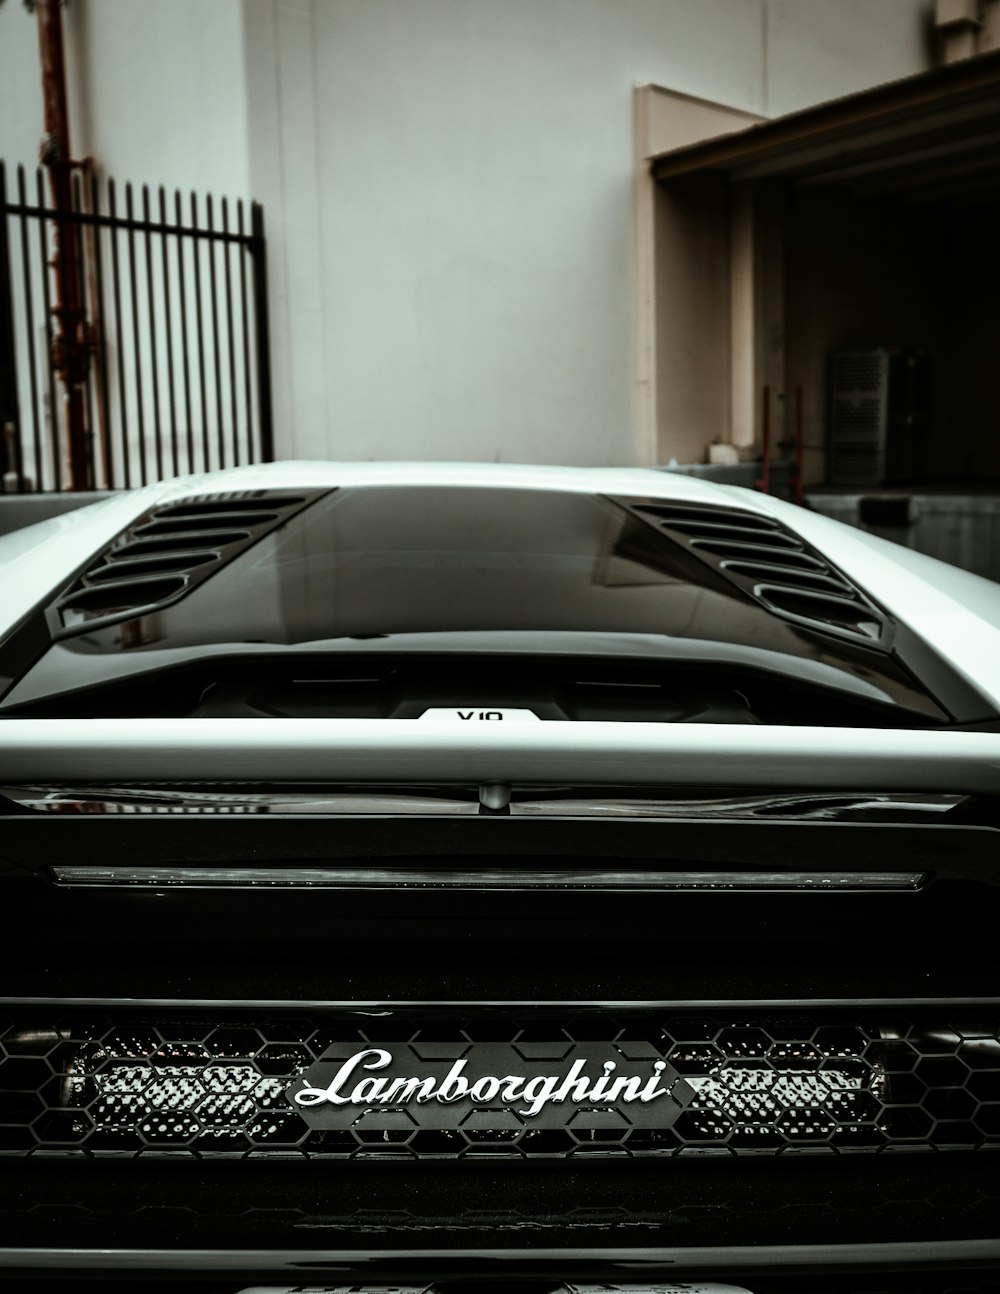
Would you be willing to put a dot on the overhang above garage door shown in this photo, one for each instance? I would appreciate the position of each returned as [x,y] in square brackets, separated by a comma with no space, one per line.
[867,221]
[935,132]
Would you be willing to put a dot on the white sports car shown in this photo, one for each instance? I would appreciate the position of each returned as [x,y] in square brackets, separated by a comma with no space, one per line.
[424,875]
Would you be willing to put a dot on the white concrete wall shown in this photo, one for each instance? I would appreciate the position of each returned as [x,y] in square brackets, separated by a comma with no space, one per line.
[157,90]
[447,183]
[20,87]
[161,91]
[822,49]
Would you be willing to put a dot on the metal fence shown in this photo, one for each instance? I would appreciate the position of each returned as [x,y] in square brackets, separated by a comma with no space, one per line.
[159,366]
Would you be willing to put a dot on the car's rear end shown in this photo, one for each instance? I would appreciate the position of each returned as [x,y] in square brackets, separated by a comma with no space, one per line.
[681,972]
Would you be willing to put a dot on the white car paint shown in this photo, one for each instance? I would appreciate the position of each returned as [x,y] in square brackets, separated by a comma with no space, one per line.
[584,753]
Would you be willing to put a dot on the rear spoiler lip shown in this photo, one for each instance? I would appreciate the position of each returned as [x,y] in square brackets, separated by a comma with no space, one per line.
[387,751]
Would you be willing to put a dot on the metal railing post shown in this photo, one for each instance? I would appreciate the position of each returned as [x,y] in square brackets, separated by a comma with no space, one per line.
[259,253]
[11,454]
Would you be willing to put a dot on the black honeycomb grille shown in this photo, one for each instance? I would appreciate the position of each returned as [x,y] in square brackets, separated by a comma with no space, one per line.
[765,1083]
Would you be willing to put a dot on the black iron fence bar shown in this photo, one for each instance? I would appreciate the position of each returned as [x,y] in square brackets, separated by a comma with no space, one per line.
[29,311]
[140,410]
[248,398]
[101,346]
[168,327]
[9,412]
[50,367]
[151,305]
[199,315]
[116,276]
[263,343]
[83,296]
[182,293]
[138,225]
[233,387]
[219,435]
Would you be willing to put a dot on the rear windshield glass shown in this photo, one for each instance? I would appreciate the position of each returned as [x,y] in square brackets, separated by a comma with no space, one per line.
[370,563]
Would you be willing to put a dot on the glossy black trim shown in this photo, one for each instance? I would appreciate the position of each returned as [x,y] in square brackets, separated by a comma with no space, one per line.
[642,1264]
[33,842]
[23,647]
[407,1210]
[539,671]
[869,1006]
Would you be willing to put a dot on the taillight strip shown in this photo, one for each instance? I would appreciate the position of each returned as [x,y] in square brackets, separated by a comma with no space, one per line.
[356,878]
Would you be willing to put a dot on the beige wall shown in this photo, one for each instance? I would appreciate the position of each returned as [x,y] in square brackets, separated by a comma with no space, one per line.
[692,318]
[682,240]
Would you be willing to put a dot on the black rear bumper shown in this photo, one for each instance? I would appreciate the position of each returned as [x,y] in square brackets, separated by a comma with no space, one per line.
[907,1218]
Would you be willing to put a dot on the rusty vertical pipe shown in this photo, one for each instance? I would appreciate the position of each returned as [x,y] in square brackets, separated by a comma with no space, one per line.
[70,354]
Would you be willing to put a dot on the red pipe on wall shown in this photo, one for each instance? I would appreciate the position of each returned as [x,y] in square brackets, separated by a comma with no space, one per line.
[70,352]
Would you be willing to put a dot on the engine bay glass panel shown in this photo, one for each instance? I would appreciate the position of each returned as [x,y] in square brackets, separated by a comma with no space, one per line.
[399,601]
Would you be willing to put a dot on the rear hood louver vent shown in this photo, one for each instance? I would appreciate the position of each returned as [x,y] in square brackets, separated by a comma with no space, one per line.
[773,565]
[168,552]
